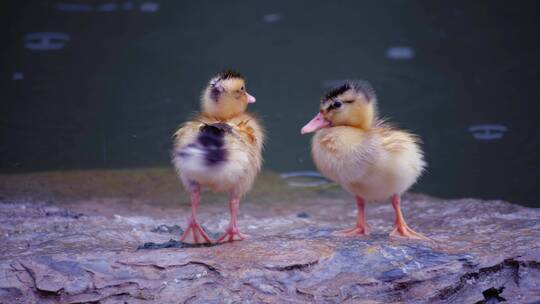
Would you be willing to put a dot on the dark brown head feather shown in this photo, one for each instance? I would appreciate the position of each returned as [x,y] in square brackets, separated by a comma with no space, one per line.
[333,93]
[360,86]
[229,74]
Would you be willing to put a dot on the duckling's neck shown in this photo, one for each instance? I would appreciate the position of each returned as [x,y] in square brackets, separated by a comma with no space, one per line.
[221,116]
[361,123]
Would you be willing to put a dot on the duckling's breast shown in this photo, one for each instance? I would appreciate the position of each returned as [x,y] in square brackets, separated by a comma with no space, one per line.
[367,163]
[342,153]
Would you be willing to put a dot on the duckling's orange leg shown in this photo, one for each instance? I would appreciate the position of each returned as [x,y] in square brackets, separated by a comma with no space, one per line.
[361,226]
[400,227]
[194,233]
[232,233]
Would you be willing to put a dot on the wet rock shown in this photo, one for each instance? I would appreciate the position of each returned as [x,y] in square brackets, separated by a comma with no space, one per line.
[492,296]
[175,229]
[303,214]
[482,252]
[171,244]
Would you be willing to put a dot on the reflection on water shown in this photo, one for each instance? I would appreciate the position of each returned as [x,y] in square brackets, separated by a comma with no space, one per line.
[304,179]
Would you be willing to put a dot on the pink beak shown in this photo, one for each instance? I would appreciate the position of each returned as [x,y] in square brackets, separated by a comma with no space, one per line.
[315,124]
[251,99]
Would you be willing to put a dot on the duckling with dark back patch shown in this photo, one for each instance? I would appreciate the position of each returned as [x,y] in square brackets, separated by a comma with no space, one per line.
[220,149]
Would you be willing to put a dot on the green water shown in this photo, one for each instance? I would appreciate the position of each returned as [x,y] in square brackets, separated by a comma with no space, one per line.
[128,74]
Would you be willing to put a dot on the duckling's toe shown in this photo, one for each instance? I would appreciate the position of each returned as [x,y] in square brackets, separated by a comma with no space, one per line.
[358,230]
[405,231]
[194,234]
[231,235]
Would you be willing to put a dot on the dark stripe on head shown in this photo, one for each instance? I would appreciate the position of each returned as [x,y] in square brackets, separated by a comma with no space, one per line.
[229,74]
[336,91]
[334,105]
[360,86]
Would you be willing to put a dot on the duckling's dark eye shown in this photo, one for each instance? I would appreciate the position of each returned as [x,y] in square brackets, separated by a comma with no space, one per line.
[242,88]
[336,104]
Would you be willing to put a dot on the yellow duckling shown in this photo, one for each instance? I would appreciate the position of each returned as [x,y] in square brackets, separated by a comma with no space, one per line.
[220,149]
[367,157]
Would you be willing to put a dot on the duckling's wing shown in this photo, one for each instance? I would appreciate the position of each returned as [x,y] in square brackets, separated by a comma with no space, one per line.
[251,132]
[396,141]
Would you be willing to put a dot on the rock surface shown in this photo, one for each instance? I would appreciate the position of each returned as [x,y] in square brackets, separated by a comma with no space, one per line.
[482,252]
[50,254]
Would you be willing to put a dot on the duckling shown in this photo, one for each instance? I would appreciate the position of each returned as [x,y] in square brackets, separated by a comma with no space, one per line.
[365,155]
[220,149]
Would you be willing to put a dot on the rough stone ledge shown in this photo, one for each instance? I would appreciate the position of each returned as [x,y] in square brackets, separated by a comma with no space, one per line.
[482,252]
